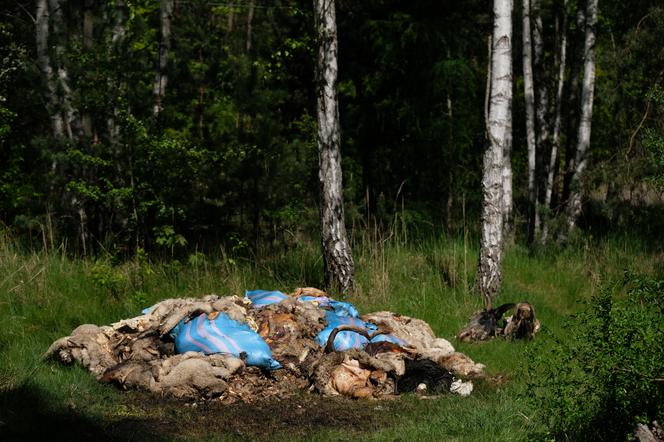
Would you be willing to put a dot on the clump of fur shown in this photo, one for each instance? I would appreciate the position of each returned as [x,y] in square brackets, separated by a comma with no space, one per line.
[487,324]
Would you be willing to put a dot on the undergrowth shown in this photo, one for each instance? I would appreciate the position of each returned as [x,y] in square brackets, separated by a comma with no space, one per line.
[609,371]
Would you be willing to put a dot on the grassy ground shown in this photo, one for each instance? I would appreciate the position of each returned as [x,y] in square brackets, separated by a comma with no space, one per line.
[43,296]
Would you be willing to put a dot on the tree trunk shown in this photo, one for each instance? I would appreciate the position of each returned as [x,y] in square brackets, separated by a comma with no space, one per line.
[250,20]
[115,86]
[508,196]
[450,179]
[72,123]
[489,273]
[555,144]
[88,41]
[337,257]
[572,124]
[585,120]
[161,78]
[44,63]
[541,108]
[529,96]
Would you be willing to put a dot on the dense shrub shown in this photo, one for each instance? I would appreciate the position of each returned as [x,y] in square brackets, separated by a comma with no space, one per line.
[607,373]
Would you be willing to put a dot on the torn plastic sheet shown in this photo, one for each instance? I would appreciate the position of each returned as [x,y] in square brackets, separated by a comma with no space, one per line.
[220,334]
[261,298]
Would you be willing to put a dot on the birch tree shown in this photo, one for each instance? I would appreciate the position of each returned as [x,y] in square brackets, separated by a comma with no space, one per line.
[542,94]
[114,79]
[161,77]
[88,41]
[508,194]
[555,141]
[337,257]
[71,115]
[529,96]
[45,66]
[541,109]
[489,272]
[573,209]
[250,20]
[573,111]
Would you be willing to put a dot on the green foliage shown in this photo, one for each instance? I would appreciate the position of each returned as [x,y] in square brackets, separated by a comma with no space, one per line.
[235,148]
[607,375]
[653,136]
[107,277]
[165,236]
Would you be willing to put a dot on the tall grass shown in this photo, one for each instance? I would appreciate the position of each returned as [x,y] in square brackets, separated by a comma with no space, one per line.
[44,295]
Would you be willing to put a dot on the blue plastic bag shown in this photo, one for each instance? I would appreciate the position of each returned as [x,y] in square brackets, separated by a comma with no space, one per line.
[223,335]
[347,339]
[386,337]
[261,298]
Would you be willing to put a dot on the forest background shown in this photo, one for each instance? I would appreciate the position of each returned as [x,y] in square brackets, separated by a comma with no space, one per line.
[115,193]
[230,157]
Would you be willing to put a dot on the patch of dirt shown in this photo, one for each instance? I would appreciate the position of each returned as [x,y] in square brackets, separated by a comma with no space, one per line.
[294,418]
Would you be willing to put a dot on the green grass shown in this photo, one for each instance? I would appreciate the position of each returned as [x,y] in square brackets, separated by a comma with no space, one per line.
[43,296]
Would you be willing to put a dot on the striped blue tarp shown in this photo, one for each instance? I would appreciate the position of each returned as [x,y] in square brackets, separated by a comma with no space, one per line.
[223,335]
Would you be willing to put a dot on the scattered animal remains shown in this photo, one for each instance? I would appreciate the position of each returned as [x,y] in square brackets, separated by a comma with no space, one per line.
[486,324]
[268,344]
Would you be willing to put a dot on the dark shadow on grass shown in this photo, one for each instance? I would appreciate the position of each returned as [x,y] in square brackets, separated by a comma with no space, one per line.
[25,414]
[297,417]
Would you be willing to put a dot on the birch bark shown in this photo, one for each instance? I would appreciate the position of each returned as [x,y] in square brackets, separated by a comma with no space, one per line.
[161,77]
[489,273]
[44,62]
[529,97]
[508,196]
[555,142]
[573,111]
[250,20]
[337,257]
[71,120]
[88,40]
[585,120]
[541,109]
[114,82]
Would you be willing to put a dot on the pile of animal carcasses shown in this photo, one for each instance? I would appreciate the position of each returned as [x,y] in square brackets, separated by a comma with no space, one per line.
[268,344]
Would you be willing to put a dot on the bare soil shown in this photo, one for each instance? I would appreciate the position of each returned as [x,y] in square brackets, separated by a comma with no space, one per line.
[296,417]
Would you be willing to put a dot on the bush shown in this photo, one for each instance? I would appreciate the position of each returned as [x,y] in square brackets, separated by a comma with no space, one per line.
[607,374]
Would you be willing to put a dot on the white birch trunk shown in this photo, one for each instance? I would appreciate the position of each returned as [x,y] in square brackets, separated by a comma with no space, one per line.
[585,119]
[72,124]
[541,109]
[573,115]
[508,196]
[44,63]
[529,96]
[337,257]
[88,41]
[161,78]
[117,39]
[555,142]
[250,21]
[489,271]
